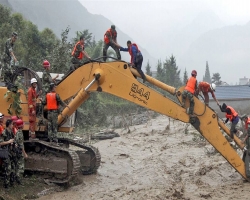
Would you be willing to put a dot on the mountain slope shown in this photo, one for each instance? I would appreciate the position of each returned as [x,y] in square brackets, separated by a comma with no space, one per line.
[226,49]
[59,14]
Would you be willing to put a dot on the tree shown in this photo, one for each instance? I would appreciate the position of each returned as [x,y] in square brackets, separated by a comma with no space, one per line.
[216,79]
[61,55]
[171,72]
[148,69]
[88,40]
[207,76]
[185,77]
[159,72]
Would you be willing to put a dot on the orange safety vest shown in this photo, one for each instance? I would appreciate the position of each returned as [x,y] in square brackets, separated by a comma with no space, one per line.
[1,129]
[247,122]
[130,51]
[51,101]
[191,85]
[204,86]
[80,53]
[233,115]
[106,38]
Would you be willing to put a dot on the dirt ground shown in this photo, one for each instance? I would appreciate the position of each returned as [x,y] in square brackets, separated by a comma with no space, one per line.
[157,160]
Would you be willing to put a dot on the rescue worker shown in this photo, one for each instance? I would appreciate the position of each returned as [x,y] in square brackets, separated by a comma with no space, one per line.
[188,92]
[110,41]
[9,57]
[78,53]
[47,79]
[32,98]
[231,115]
[136,57]
[205,88]
[14,119]
[1,123]
[6,142]
[246,120]
[21,154]
[52,101]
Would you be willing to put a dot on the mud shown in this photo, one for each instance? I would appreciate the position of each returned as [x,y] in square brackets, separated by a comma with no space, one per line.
[155,160]
[158,160]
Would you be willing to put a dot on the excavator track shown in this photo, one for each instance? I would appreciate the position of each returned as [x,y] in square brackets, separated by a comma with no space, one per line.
[55,163]
[90,157]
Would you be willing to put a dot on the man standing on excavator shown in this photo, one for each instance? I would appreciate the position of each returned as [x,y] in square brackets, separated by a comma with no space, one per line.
[78,53]
[188,92]
[136,57]
[52,100]
[32,98]
[205,88]
[110,41]
[231,115]
[47,79]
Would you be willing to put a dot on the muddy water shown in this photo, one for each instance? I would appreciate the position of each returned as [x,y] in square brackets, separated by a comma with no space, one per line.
[158,160]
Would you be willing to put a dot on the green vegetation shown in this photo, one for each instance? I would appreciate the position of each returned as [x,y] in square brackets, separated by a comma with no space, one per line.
[33,46]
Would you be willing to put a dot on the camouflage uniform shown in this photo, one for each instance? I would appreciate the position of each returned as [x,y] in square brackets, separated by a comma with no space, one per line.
[8,166]
[190,96]
[19,161]
[7,70]
[52,119]
[52,124]
[47,79]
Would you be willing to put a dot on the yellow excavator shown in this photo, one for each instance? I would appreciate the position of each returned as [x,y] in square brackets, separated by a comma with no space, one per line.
[63,163]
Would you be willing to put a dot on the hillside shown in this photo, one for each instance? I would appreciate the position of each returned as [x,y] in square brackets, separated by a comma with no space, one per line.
[59,14]
[226,49]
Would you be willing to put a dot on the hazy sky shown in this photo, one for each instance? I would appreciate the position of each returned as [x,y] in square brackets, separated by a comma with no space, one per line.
[143,20]
[146,16]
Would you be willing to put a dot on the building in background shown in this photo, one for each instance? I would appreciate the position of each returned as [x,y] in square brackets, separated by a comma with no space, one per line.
[244,81]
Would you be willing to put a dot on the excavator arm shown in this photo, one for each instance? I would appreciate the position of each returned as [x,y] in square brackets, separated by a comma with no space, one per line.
[118,78]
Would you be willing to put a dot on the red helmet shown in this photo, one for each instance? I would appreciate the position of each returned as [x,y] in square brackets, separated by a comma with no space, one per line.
[194,72]
[19,123]
[14,118]
[46,64]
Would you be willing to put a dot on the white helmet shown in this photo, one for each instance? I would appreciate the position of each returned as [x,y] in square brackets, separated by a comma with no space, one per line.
[1,115]
[213,86]
[33,80]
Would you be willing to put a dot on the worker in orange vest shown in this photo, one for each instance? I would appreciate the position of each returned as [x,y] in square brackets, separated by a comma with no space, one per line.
[78,53]
[52,101]
[188,92]
[205,88]
[110,41]
[231,115]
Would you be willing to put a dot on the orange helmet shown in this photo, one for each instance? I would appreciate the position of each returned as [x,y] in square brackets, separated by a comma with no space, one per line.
[46,64]
[194,72]
[14,119]
[19,123]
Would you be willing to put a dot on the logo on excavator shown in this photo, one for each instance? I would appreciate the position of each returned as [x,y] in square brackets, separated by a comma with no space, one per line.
[139,93]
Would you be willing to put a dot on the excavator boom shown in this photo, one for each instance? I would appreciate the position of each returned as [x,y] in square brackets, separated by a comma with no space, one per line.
[117,78]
